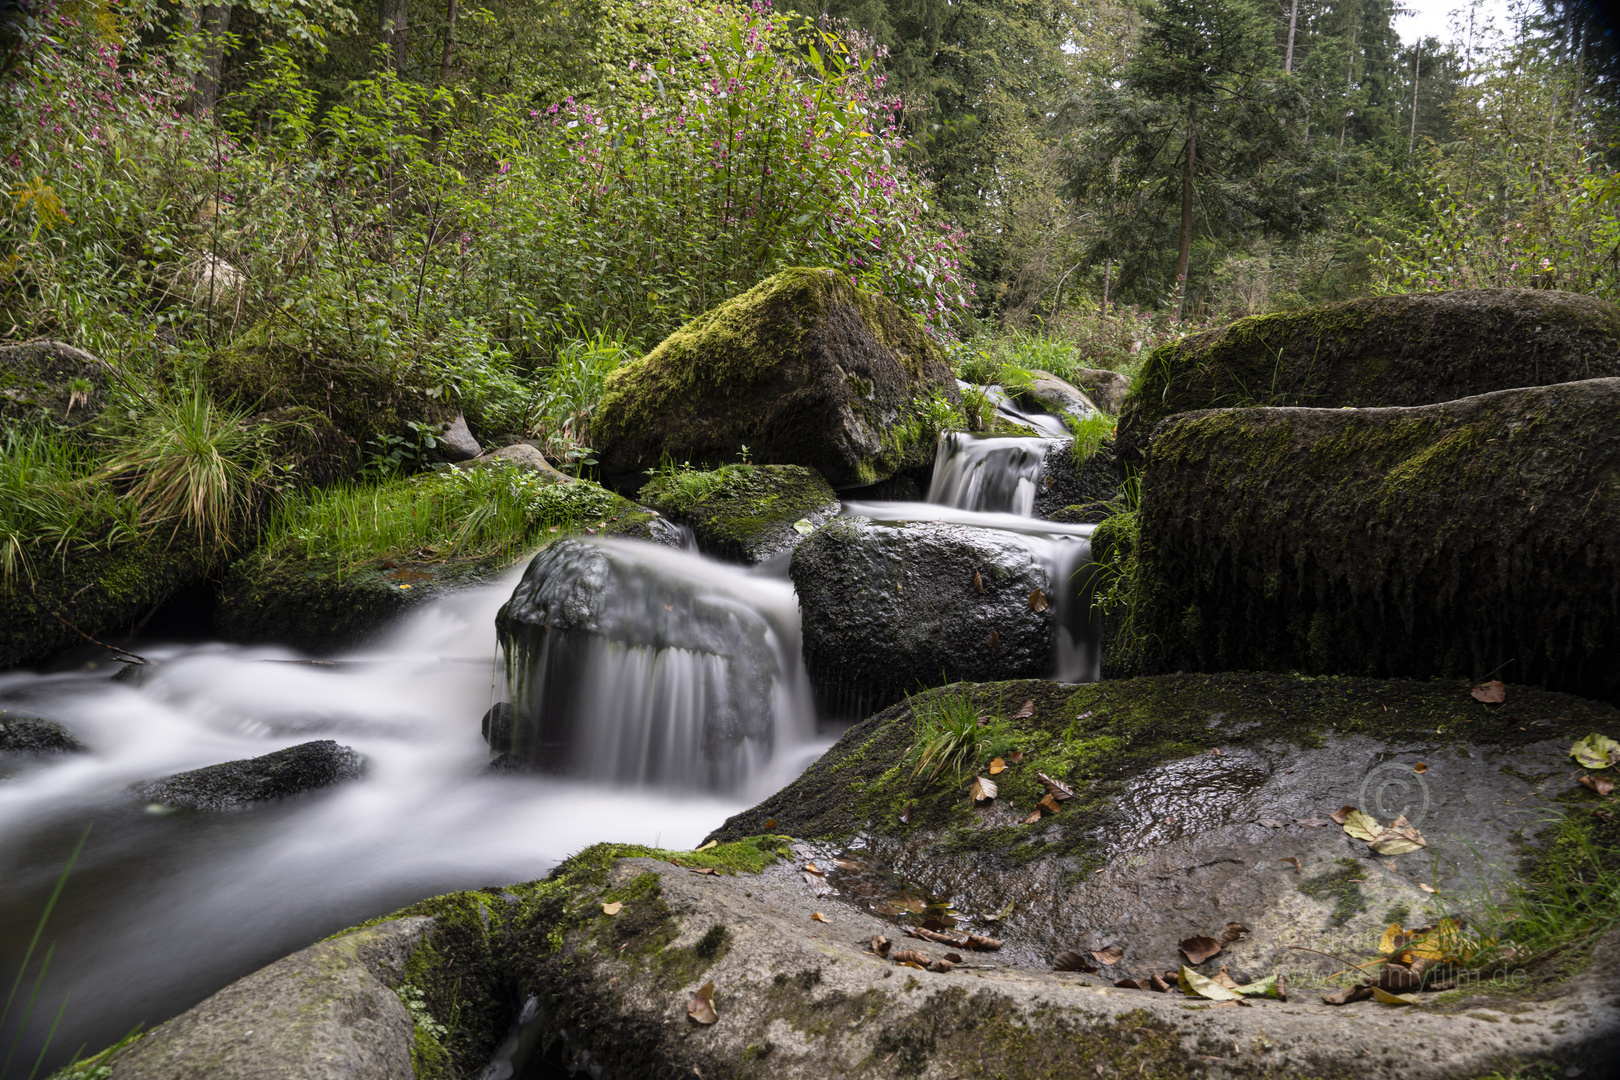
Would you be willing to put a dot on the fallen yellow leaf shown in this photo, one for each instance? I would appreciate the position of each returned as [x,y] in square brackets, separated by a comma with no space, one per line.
[613,908]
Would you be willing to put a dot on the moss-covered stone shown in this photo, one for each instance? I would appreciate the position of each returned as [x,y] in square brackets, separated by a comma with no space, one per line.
[1415,349]
[52,382]
[744,513]
[1469,538]
[99,593]
[803,369]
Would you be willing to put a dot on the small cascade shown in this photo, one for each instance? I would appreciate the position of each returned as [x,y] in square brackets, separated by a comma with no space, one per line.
[1065,551]
[987,473]
[635,664]
[1008,409]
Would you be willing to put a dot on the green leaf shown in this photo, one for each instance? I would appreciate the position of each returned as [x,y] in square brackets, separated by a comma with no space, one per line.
[1596,751]
[1196,985]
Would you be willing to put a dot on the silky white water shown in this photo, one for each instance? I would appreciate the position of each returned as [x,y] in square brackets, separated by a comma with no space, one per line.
[164,908]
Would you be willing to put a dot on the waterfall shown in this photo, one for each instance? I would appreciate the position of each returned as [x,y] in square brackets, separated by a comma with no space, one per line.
[636,664]
[989,473]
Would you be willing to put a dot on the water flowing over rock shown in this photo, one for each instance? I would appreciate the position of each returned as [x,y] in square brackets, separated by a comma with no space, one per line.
[803,369]
[292,771]
[1415,349]
[891,606]
[1473,537]
[640,665]
[1023,475]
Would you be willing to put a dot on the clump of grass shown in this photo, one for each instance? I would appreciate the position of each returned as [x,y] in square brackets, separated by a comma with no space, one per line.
[570,391]
[934,415]
[498,510]
[977,408]
[683,486]
[951,735]
[1089,432]
[51,503]
[1114,585]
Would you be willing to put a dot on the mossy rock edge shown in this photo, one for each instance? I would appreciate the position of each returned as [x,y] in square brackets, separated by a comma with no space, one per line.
[744,513]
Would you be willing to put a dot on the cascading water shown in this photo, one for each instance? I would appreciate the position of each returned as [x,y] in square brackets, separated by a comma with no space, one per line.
[990,473]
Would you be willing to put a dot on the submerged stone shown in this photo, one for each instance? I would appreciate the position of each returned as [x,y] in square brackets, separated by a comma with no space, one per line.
[744,513]
[803,369]
[1415,349]
[292,771]
[1472,537]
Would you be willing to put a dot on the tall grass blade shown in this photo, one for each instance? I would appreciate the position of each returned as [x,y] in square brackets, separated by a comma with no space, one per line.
[28,955]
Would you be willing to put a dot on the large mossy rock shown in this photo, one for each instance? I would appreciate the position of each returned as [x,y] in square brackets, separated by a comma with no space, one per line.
[100,593]
[803,369]
[1473,537]
[744,513]
[51,381]
[889,609]
[1417,349]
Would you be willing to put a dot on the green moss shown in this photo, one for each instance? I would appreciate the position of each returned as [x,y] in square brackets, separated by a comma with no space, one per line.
[1342,886]
[739,512]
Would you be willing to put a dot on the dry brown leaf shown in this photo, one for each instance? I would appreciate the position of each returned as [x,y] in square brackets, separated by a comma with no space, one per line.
[849,864]
[983,942]
[996,766]
[960,942]
[1015,757]
[905,815]
[1037,601]
[978,582]
[1235,1003]
[1108,955]
[1491,693]
[1268,823]
[953,957]
[1069,960]
[993,640]
[1348,994]
[1291,861]
[1401,837]
[613,908]
[1048,803]
[1215,751]
[1342,814]
[819,917]
[983,789]
[1131,984]
[941,966]
[1600,784]
[711,871]
[1224,978]
[908,956]
[811,867]
[1033,817]
[771,823]
[1420,768]
[1027,709]
[1156,982]
[1362,826]
[701,1007]
[1313,822]
[1233,932]
[1200,948]
[880,945]
[1426,888]
[1056,788]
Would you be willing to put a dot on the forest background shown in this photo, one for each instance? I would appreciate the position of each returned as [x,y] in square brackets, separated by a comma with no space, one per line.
[498,201]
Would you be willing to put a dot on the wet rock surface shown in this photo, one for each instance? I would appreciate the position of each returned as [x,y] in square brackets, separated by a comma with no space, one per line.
[21,735]
[292,771]
[326,1013]
[803,369]
[1075,491]
[744,513]
[1475,536]
[1057,396]
[890,608]
[1415,349]
[1106,388]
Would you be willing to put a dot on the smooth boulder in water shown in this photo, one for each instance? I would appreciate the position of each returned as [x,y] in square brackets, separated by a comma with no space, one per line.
[1471,538]
[292,771]
[23,735]
[1417,349]
[891,608]
[630,663]
[803,369]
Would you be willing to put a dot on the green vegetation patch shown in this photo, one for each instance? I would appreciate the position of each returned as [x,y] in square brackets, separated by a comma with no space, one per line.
[740,512]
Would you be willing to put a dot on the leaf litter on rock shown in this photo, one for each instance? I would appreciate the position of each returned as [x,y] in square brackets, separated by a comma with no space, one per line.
[983,789]
[1600,784]
[701,1007]
[1199,948]
[1596,751]
[613,908]
[1491,693]
[1069,960]
[997,765]
[1027,709]
[1057,789]
[1108,955]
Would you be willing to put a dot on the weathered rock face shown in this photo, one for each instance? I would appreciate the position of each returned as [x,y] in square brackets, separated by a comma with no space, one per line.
[1077,491]
[1417,349]
[1477,536]
[1057,396]
[803,369]
[523,455]
[889,609]
[744,513]
[600,630]
[292,771]
[456,442]
[327,1013]
[1105,388]
[20,735]
[51,380]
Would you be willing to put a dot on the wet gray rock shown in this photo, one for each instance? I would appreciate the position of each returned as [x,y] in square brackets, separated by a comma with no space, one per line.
[292,771]
[1105,388]
[1057,396]
[497,727]
[456,442]
[20,735]
[1077,491]
[889,609]
[744,513]
[326,1013]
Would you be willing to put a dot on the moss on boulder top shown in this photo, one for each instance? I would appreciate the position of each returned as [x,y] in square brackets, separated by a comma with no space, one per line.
[1475,536]
[1388,350]
[51,381]
[744,513]
[803,369]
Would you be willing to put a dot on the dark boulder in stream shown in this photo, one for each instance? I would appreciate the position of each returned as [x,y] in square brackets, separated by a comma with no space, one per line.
[21,735]
[1416,349]
[1195,807]
[292,771]
[1474,537]
[803,369]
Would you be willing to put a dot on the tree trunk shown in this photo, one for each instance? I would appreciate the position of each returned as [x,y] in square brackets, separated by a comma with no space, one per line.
[1108,272]
[1293,21]
[216,23]
[1417,77]
[1187,194]
[449,41]
[391,24]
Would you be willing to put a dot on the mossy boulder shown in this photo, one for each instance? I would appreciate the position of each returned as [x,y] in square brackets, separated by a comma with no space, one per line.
[744,513]
[52,382]
[1471,538]
[1416,349]
[1075,488]
[102,594]
[366,398]
[803,369]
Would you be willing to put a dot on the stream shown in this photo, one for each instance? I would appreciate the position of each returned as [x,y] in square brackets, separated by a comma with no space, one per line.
[163,908]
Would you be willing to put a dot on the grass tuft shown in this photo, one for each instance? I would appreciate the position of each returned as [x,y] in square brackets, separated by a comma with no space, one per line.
[951,736]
